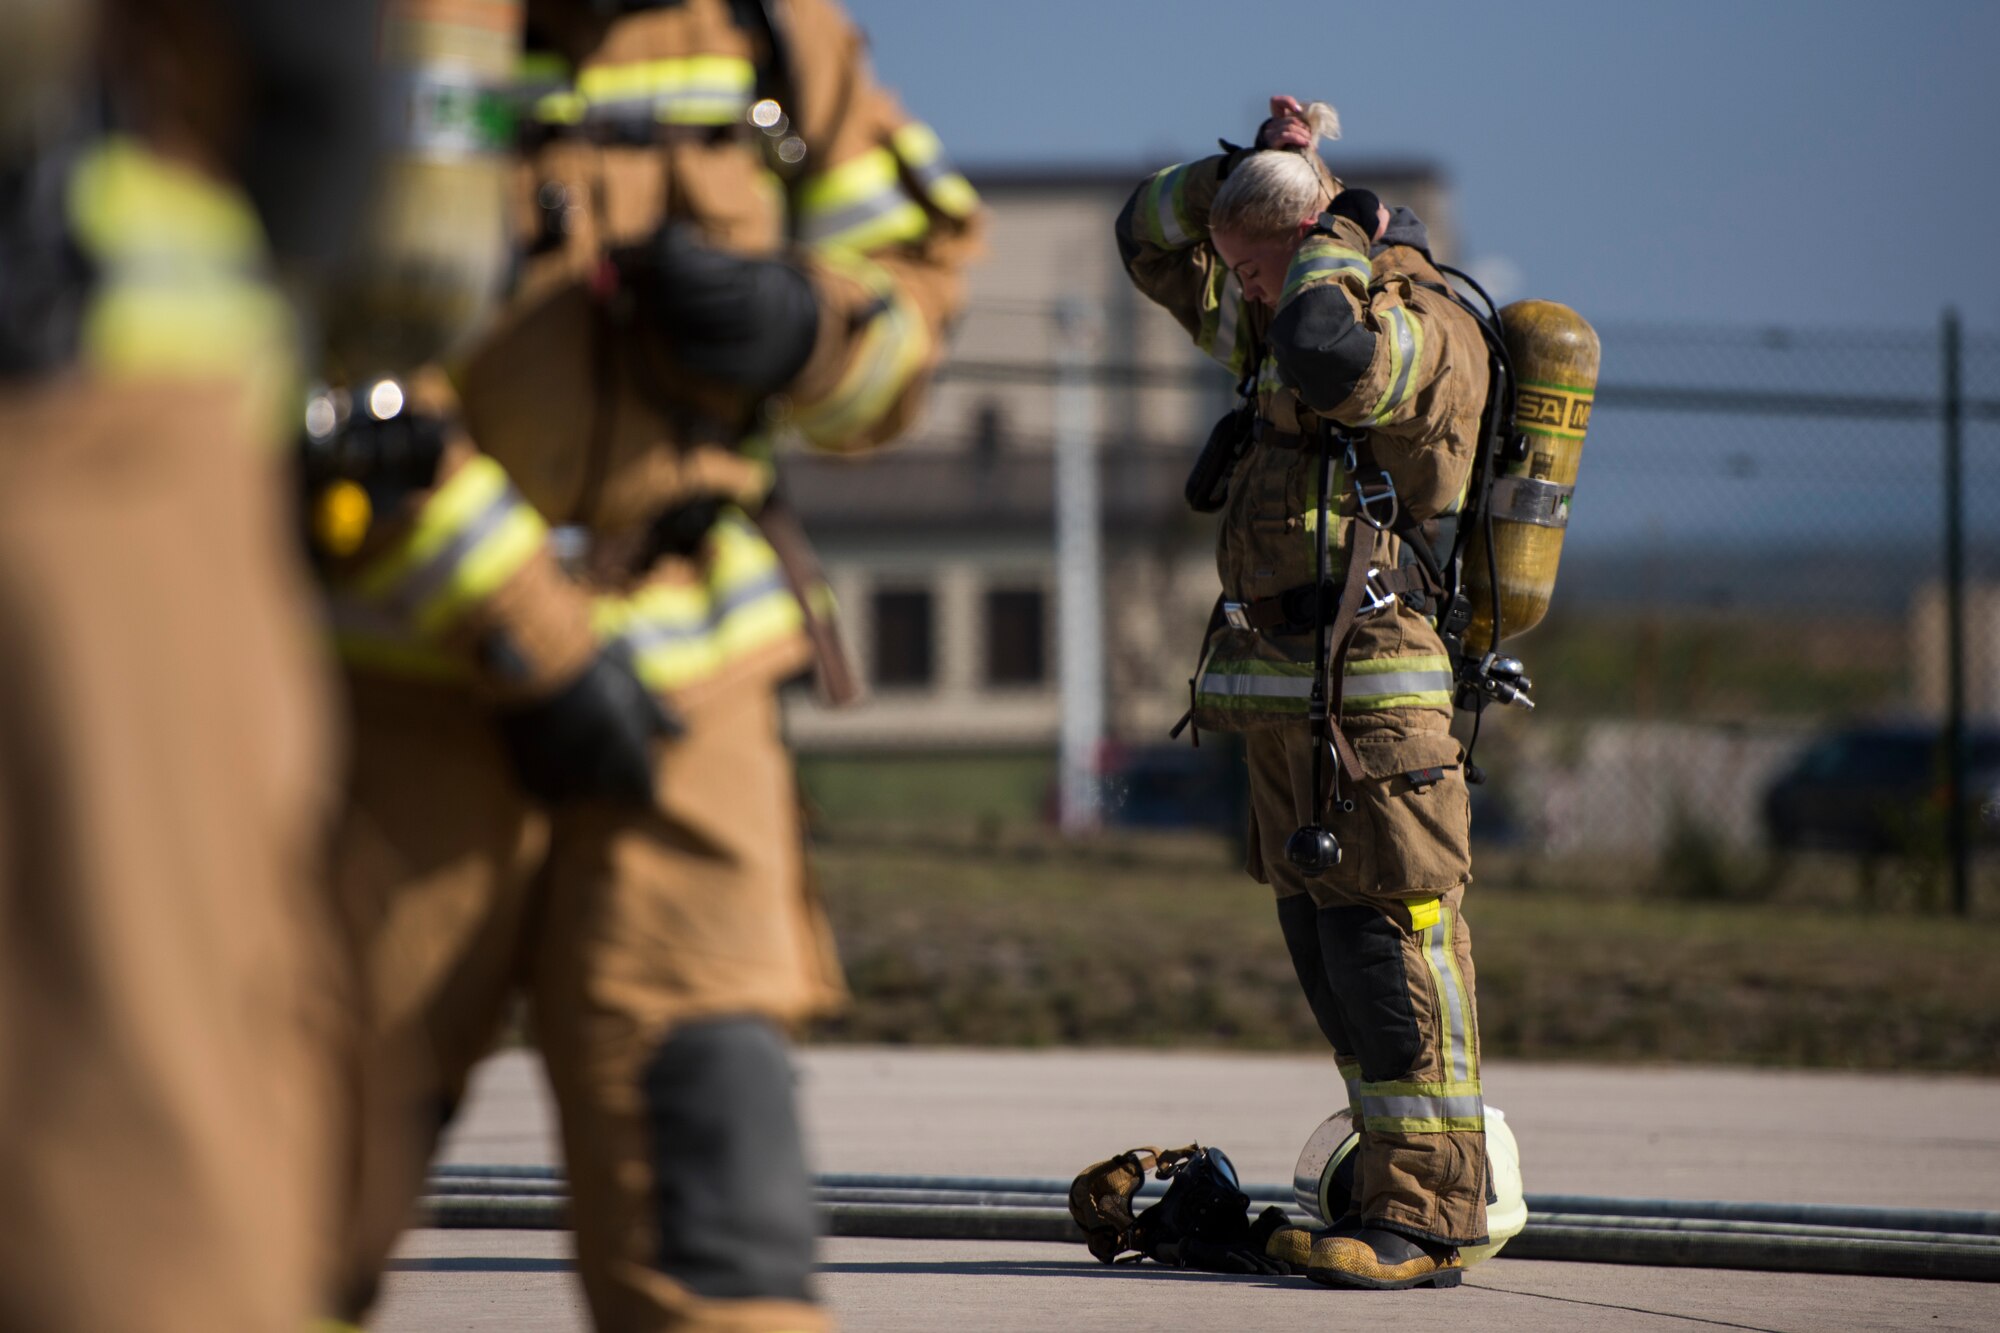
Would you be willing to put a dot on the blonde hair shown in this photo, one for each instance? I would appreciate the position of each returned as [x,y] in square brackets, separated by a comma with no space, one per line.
[1270,191]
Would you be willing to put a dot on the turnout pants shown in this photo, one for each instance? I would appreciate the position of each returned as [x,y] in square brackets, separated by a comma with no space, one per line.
[1383,952]
[166,995]
[661,951]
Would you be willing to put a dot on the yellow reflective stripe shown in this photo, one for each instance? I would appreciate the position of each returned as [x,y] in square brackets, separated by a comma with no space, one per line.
[470,537]
[1161,214]
[180,286]
[860,205]
[1320,261]
[561,109]
[1350,1074]
[1423,913]
[683,633]
[922,152]
[1422,681]
[1406,354]
[486,568]
[463,497]
[682,90]
[1424,1108]
[1225,326]
[893,348]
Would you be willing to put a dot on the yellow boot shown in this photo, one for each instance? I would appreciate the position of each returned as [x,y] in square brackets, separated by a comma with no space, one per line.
[1382,1261]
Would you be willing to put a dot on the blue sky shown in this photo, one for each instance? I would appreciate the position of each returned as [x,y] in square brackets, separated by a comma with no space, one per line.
[1812,162]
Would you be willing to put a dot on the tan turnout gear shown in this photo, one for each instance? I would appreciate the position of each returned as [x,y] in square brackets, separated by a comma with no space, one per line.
[1383,949]
[662,949]
[168,993]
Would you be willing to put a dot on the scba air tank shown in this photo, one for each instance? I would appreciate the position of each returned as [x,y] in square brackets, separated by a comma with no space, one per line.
[436,245]
[1555,355]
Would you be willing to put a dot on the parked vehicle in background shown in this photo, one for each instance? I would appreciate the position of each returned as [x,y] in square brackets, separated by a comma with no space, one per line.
[1881,789]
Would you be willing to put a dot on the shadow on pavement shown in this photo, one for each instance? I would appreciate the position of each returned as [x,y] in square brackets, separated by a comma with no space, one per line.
[480,1264]
[989,1268]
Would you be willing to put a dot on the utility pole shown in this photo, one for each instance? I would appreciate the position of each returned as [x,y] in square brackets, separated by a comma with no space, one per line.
[1079,566]
[1956,842]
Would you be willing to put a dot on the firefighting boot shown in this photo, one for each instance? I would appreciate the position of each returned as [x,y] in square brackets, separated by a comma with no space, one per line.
[1382,1261]
[1292,1246]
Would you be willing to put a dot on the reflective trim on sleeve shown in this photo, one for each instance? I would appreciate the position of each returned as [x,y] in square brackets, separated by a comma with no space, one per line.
[860,205]
[684,633]
[181,286]
[1225,322]
[1423,1108]
[472,535]
[681,90]
[1406,355]
[1397,682]
[1161,215]
[895,345]
[1318,261]
[923,156]
[1256,685]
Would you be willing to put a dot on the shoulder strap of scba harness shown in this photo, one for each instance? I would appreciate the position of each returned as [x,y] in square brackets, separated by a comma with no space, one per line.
[1481,674]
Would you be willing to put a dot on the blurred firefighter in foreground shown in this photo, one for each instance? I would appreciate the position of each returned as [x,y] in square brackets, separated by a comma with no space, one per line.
[165,1084]
[1363,382]
[576,789]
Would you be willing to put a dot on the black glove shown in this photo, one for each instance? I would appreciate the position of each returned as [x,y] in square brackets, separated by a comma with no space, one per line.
[592,738]
[748,322]
[1360,207]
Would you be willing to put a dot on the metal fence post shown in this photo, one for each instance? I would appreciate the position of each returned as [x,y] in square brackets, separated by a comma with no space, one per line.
[1954,582]
[1079,568]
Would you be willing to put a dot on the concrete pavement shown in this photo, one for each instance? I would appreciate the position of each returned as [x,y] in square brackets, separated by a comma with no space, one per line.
[1685,1133]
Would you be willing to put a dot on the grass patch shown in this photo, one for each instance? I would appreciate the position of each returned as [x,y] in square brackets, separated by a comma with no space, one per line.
[1163,942]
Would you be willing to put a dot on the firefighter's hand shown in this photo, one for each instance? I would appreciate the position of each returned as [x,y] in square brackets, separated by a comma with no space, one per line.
[750,322]
[591,739]
[1287,127]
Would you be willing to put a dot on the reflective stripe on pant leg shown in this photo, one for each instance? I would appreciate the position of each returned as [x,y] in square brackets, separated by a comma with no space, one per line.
[1453,1102]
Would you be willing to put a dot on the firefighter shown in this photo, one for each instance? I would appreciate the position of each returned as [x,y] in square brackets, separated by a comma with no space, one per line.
[730,233]
[167,999]
[1327,306]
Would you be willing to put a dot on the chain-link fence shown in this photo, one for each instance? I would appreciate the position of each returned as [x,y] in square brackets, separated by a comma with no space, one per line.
[1745,675]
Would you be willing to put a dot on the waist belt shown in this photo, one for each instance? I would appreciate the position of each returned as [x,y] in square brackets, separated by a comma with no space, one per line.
[1291,611]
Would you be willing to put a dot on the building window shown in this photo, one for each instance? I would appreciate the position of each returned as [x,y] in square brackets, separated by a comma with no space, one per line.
[1015,637]
[903,641]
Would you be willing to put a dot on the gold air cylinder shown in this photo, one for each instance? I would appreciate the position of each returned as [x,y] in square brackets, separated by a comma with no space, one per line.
[1555,355]
[436,244]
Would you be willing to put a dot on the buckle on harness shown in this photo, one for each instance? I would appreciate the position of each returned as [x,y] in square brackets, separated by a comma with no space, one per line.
[1367,498]
[1375,598]
[1236,614]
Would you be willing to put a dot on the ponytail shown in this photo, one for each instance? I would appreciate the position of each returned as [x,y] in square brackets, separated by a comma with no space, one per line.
[1270,191]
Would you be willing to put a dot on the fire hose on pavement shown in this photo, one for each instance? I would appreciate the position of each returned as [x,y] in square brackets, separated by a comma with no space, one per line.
[1806,1238]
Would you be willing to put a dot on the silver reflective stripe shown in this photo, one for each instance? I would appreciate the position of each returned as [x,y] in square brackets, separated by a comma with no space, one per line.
[819,227]
[1257,687]
[1457,1021]
[1406,347]
[1329,264]
[1405,1107]
[416,588]
[1394,682]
